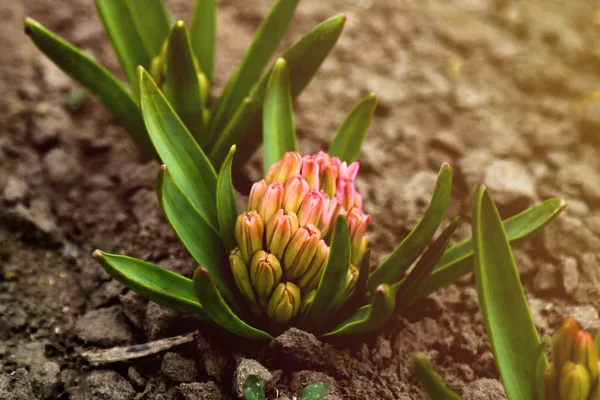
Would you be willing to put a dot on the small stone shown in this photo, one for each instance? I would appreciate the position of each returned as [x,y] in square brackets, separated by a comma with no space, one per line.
[178,368]
[157,321]
[587,316]
[36,221]
[570,274]
[45,379]
[68,378]
[524,262]
[47,124]
[15,190]
[29,354]
[589,267]
[134,307]
[105,327]
[539,312]
[134,376]
[484,389]
[510,184]
[472,166]
[582,177]
[545,279]
[247,367]
[107,385]
[200,390]
[383,350]
[105,294]
[567,235]
[16,386]
[62,167]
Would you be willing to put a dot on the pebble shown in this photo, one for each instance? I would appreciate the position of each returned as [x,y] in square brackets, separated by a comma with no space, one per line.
[587,316]
[570,274]
[484,389]
[105,327]
[15,190]
[510,184]
[107,385]
[62,167]
[178,368]
[45,379]
[200,390]
[545,279]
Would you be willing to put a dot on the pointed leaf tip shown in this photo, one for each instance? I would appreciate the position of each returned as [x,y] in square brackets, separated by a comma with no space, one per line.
[97,254]
[180,24]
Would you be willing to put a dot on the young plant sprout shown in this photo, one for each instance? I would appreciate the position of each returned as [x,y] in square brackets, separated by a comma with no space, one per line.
[254,389]
[181,61]
[518,351]
[299,254]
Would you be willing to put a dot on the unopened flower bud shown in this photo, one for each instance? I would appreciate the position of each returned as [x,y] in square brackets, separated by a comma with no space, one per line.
[265,273]
[358,222]
[312,207]
[307,300]
[328,177]
[249,230]
[347,195]
[310,279]
[551,383]
[294,191]
[564,342]
[300,251]
[310,172]
[285,303]
[289,165]
[280,230]
[256,193]
[574,382]
[242,279]
[350,285]
[586,353]
[271,201]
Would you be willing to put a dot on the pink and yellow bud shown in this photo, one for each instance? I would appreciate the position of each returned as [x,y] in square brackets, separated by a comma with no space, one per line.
[311,278]
[241,277]
[285,303]
[358,222]
[574,382]
[563,343]
[310,172]
[317,209]
[300,251]
[256,193]
[294,191]
[347,195]
[265,274]
[271,201]
[586,354]
[249,230]
[280,230]
[289,165]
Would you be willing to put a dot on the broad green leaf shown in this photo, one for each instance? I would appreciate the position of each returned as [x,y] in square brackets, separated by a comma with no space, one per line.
[371,317]
[333,278]
[182,85]
[457,260]
[97,79]
[226,206]
[203,34]
[198,237]
[130,48]
[315,391]
[259,52]
[177,148]
[219,311]
[407,289]
[153,282]
[303,59]
[413,245]
[278,116]
[508,322]
[152,20]
[254,388]
[350,136]
[430,382]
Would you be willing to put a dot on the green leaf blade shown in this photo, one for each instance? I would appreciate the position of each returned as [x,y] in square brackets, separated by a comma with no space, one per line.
[153,282]
[152,21]
[219,311]
[508,321]
[278,116]
[430,381]
[350,136]
[97,79]
[391,270]
[203,35]
[130,48]
[254,388]
[188,164]
[314,391]
[259,52]
[226,205]
[457,261]
[181,86]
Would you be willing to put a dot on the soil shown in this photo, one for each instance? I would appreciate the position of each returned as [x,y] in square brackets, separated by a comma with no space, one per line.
[503,90]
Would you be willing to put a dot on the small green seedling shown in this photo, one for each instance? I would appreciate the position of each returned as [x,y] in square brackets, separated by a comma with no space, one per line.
[254,389]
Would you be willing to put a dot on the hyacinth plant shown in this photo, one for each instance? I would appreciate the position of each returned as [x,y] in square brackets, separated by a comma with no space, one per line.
[574,373]
[298,255]
[181,62]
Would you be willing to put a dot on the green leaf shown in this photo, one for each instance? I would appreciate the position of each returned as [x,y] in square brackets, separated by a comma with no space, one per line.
[350,136]
[597,340]
[259,52]
[508,322]
[153,282]
[119,24]
[97,79]
[226,207]
[203,34]
[278,116]
[333,279]
[182,85]
[177,148]
[430,382]
[303,59]
[219,311]
[315,391]
[152,21]
[457,260]
[371,317]
[407,289]
[198,237]
[413,245]
[254,388]
[360,292]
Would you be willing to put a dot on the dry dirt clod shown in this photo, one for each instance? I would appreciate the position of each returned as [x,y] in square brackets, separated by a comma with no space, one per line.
[178,368]
[16,385]
[105,385]
[484,389]
[15,190]
[511,184]
[45,379]
[200,390]
[570,274]
[106,327]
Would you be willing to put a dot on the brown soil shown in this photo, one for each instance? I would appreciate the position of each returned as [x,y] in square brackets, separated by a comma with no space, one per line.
[497,88]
